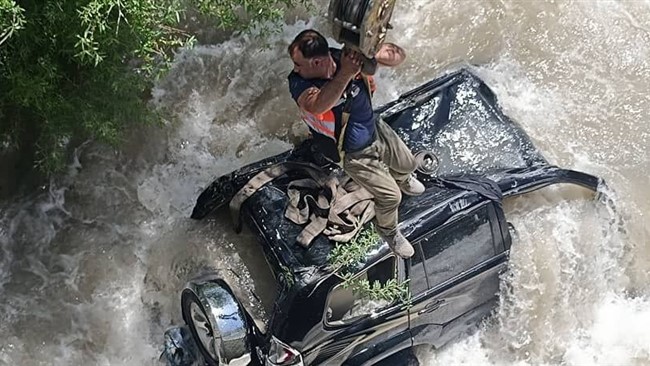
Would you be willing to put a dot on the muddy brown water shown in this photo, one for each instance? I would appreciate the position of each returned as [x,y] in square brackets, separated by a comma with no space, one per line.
[91,266]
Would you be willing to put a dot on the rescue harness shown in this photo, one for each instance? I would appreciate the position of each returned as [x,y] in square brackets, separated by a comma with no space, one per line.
[331,204]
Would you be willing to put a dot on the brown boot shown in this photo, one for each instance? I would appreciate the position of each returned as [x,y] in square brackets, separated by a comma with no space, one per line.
[411,186]
[398,244]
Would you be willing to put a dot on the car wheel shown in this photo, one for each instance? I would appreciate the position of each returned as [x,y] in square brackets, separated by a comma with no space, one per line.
[199,323]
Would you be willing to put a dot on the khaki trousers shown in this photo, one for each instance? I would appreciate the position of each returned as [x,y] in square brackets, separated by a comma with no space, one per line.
[379,168]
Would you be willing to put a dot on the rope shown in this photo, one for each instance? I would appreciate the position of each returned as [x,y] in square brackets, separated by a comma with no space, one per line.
[339,209]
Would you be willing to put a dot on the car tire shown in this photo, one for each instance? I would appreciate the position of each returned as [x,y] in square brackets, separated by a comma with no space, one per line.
[187,300]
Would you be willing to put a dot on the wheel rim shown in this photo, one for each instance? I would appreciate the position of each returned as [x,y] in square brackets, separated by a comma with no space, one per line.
[203,329]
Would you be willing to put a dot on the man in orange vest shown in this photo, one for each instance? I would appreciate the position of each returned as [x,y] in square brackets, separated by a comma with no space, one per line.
[335,101]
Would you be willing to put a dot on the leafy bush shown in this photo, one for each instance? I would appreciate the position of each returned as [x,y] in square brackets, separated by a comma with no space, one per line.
[78,69]
[345,258]
[11,19]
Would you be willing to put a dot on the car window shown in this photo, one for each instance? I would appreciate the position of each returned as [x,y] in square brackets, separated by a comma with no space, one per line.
[458,246]
[344,305]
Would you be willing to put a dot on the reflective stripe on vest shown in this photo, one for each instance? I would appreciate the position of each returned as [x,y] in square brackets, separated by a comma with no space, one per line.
[324,123]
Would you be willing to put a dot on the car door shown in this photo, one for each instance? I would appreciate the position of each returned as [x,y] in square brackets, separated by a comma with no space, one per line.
[361,332]
[455,275]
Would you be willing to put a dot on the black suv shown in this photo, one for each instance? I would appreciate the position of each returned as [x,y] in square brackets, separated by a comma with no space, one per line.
[458,228]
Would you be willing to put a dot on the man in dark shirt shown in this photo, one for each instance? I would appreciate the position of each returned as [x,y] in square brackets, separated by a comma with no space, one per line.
[326,83]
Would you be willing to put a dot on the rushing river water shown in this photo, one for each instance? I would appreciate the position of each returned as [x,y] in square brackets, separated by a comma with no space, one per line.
[91,266]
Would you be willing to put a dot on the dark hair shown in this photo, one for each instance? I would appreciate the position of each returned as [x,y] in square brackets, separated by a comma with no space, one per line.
[310,43]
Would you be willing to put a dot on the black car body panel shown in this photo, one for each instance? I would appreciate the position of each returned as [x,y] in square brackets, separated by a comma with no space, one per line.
[457,117]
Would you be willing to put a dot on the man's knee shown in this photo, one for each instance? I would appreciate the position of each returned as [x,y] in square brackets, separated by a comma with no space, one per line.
[389,199]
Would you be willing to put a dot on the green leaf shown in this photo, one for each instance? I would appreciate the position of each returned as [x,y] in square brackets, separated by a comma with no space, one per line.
[96,61]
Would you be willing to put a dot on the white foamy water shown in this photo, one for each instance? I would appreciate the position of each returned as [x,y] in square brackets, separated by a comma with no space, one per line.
[91,266]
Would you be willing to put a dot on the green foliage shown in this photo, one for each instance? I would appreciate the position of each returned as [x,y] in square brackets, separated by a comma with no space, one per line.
[79,69]
[390,291]
[12,19]
[345,258]
[240,15]
[287,276]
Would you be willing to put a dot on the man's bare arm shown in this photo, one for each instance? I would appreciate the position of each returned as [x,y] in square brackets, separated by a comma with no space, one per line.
[390,55]
[317,101]
[321,100]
